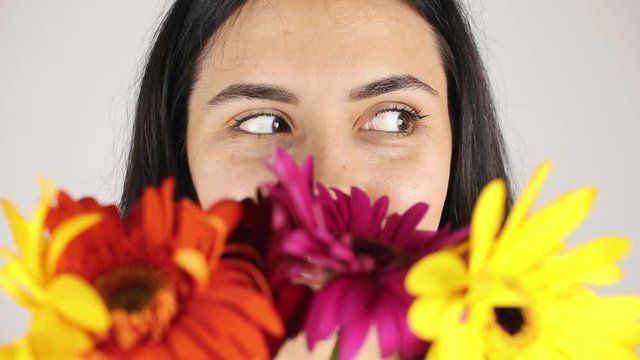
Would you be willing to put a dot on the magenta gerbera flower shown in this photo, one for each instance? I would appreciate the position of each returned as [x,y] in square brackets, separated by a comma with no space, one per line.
[353,253]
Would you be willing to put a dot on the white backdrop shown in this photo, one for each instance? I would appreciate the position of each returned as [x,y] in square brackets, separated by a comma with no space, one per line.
[565,74]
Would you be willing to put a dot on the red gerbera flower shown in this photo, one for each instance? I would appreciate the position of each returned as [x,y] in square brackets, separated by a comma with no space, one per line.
[175,290]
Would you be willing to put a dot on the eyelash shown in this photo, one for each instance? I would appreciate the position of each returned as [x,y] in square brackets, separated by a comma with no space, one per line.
[414,116]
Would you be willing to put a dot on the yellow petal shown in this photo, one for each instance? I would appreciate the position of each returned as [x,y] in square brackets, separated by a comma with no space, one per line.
[50,337]
[606,275]
[16,274]
[19,228]
[617,316]
[434,352]
[432,318]
[486,221]
[521,209]
[47,194]
[545,231]
[64,234]
[79,303]
[13,290]
[18,351]
[462,343]
[584,260]
[437,275]
[194,263]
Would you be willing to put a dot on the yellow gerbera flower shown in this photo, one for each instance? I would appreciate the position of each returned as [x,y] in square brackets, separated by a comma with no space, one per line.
[65,307]
[522,296]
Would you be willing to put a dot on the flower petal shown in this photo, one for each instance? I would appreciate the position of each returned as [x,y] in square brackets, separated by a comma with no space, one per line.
[356,300]
[64,234]
[152,351]
[545,231]
[17,351]
[255,307]
[184,346]
[19,227]
[322,316]
[78,302]
[52,337]
[16,274]
[8,284]
[437,275]
[432,318]
[193,263]
[486,221]
[387,318]
[352,336]
[222,324]
[521,209]
[586,259]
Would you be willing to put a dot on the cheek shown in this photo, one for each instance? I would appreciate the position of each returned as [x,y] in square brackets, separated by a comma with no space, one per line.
[219,176]
[424,180]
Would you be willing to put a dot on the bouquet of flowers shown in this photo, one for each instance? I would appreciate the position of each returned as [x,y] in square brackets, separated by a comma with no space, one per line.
[175,281]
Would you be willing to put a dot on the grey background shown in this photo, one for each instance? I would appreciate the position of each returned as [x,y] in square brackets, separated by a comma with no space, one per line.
[565,74]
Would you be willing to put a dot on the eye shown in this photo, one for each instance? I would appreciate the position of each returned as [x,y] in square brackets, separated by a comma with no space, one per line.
[394,120]
[262,124]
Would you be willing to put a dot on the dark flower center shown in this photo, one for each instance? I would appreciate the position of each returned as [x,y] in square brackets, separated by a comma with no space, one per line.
[142,303]
[510,319]
[132,298]
[130,288]
[383,254]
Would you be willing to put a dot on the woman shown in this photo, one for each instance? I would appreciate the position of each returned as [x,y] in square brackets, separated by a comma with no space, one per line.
[387,95]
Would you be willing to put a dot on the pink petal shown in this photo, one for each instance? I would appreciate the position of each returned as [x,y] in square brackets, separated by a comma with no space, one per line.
[299,243]
[387,322]
[352,337]
[408,222]
[322,316]
[356,299]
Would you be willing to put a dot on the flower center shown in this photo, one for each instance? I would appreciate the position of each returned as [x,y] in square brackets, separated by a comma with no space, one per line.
[130,288]
[383,255]
[142,302]
[510,319]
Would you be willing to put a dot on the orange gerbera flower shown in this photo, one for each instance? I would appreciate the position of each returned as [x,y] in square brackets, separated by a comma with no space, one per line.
[174,289]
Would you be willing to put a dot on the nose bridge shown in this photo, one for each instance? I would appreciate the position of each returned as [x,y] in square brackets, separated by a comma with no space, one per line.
[333,165]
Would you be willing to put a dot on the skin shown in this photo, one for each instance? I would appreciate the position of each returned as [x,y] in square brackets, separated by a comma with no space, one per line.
[323,53]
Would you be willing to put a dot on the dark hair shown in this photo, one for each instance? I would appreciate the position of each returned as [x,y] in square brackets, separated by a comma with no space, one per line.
[158,145]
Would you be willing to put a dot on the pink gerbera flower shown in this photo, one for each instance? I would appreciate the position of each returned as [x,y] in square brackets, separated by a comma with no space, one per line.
[353,253]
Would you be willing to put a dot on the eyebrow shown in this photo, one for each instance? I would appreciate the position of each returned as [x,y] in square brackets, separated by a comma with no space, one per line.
[276,93]
[390,84]
[253,91]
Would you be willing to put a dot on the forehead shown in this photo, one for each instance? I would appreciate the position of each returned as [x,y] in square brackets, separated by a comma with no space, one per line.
[323,41]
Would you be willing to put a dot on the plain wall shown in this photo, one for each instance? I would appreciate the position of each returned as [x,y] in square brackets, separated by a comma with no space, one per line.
[565,74]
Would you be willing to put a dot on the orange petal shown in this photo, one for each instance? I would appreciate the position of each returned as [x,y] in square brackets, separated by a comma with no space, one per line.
[167,189]
[152,212]
[230,211]
[183,346]
[255,307]
[151,351]
[230,325]
[247,268]
[190,227]
[211,338]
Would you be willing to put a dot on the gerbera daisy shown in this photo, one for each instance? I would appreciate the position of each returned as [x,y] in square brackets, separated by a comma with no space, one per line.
[57,330]
[173,287]
[353,253]
[522,295]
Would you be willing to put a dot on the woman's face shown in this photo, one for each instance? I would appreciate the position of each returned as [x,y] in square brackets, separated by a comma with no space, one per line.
[358,84]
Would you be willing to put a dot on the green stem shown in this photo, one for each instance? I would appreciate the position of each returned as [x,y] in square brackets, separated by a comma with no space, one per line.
[334,353]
